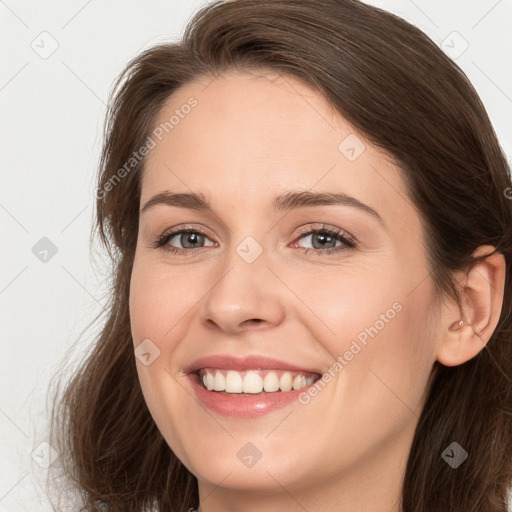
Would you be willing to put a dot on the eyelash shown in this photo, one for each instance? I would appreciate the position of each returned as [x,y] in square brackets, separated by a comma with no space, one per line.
[348,241]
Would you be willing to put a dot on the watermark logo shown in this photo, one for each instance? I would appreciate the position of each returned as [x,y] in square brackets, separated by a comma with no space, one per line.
[249,455]
[343,360]
[249,249]
[44,250]
[45,45]
[146,352]
[454,45]
[351,147]
[454,455]
[137,156]
[44,455]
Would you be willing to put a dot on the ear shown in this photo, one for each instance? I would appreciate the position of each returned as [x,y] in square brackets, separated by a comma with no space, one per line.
[481,291]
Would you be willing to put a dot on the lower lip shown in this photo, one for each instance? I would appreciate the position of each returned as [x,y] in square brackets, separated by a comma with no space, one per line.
[244,405]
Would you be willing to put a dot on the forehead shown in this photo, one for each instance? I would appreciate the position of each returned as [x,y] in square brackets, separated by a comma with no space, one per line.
[256,134]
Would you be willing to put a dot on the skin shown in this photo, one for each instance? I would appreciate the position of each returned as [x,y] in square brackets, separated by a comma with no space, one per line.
[251,137]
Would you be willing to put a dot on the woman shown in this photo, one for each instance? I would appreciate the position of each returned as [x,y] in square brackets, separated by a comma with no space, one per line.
[309,217]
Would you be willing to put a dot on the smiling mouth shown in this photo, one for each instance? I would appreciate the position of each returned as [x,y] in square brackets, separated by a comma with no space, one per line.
[253,382]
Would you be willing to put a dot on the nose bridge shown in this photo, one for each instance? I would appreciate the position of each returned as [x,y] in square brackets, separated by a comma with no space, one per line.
[246,292]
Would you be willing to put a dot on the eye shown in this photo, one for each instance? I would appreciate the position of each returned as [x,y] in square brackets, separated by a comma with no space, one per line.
[327,240]
[187,238]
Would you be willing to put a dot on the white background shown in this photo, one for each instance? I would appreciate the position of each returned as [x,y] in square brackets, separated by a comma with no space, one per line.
[52,112]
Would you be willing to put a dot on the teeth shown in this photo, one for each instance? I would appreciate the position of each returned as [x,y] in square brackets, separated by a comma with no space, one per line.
[299,382]
[271,382]
[233,383]
[219,382]
[252,382]
[209,381]
[286,382]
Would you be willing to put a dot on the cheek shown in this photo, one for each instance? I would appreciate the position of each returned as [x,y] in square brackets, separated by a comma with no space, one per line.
[346,303]
[159,299]
[379,331]
[155,306]
[388,355]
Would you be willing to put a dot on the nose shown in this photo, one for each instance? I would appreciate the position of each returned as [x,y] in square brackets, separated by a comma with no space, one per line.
[244,296]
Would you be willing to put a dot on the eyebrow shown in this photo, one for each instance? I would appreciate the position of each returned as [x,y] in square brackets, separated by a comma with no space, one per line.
[284,202]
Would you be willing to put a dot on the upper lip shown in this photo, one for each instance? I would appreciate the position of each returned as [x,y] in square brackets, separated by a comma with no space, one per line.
[228,362]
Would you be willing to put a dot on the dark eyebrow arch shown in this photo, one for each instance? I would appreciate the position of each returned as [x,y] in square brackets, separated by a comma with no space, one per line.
[302,199]
[284,202]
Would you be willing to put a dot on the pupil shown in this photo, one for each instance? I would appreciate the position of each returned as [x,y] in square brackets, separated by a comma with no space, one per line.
[190,238]
[323,239]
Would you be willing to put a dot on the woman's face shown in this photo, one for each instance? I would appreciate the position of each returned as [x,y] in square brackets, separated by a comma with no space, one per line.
[253,278]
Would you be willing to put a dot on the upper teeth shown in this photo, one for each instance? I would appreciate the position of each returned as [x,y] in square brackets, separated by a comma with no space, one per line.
[253,381]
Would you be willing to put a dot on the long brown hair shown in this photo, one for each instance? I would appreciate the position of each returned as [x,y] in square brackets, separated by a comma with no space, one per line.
[392,83]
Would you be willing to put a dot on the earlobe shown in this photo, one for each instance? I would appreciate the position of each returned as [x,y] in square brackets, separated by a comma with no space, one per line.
[465,333]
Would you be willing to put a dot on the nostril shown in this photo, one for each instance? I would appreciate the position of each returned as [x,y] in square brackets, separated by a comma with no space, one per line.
[253,320]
